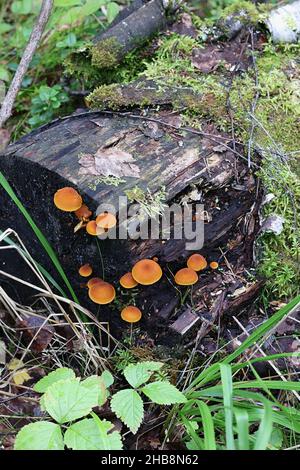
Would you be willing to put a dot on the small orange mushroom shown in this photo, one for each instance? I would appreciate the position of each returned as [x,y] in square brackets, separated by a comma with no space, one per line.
[91,227]
[102,293]
[197,262]
[93,281]
[67,199]
[131,314]
[155,258]
[186,277]
[127,281]
[106,220]
[83,213]
[146,272]
[214,265]
[85,270]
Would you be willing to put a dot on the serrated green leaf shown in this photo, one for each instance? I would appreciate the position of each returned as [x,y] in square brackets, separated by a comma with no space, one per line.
[96,383]
[163,393]
[137,374]
[59,374]
[128,406]
[87,434]
[40,436]
[107,378]
[68,400]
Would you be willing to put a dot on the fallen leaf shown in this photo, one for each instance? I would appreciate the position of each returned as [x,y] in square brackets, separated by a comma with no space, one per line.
[15,364]
[4,139]
[36,328]
[109,162]
[21,376]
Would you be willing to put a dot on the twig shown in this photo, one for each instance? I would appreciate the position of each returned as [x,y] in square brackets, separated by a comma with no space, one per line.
[36,34]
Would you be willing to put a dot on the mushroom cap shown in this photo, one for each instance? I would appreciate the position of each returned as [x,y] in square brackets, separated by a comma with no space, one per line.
[186,277]
[197,262]
[85,270]
[83,212]
[102,293]
[214,265]
[67,199]
[93,281]
[91,228]
[106,220]
[131,314]
[146,272]
[127,281]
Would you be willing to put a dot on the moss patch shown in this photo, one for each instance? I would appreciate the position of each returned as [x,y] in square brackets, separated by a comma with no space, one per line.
[105,55]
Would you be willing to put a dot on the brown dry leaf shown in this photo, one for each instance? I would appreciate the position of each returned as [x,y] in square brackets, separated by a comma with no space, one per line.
[37,328]
[21,376]
[109,162]
[206,60]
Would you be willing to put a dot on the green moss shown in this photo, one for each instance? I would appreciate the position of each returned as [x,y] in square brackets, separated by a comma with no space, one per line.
[106,96]
[244,11]
[105,55]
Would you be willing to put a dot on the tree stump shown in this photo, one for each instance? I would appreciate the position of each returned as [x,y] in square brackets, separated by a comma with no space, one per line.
[164,155]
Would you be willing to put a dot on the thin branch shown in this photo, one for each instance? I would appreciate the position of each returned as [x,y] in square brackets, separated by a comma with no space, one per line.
[35,37]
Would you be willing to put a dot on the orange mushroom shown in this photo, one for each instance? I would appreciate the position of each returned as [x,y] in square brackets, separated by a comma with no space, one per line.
[67,199]
[91,227]
[93,281]
[102,293]
[214,265]
[127,281]
[83,213]
[131,314]
[85,270]
[106,220]
[186,277]
[146,272]
[197,262]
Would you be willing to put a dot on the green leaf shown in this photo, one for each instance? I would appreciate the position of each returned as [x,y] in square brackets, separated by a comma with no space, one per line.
[128,406]
[88,434]
[137,374]
[74,14]
[226,378]
[96,384]
[112,11]
[59,374]
[5,27]
[4,75]
[67,3]
[68,400]
[163,393]
[91,6]
[40,436]
[107,378]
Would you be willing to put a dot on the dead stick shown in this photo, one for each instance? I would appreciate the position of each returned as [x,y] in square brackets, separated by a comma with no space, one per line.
[36,34]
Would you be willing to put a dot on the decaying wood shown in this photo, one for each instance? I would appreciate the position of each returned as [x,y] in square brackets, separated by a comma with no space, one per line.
[130,32]
[50,157]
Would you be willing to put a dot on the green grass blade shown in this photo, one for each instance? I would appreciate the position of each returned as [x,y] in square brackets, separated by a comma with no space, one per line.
[265,428]
[192,433]
[262,330]
[40,236]
[242,423]
[208,426]
[226,378]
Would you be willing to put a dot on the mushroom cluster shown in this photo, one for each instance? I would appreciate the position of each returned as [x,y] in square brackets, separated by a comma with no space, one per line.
[195,263]
[69,200]
[144,272]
